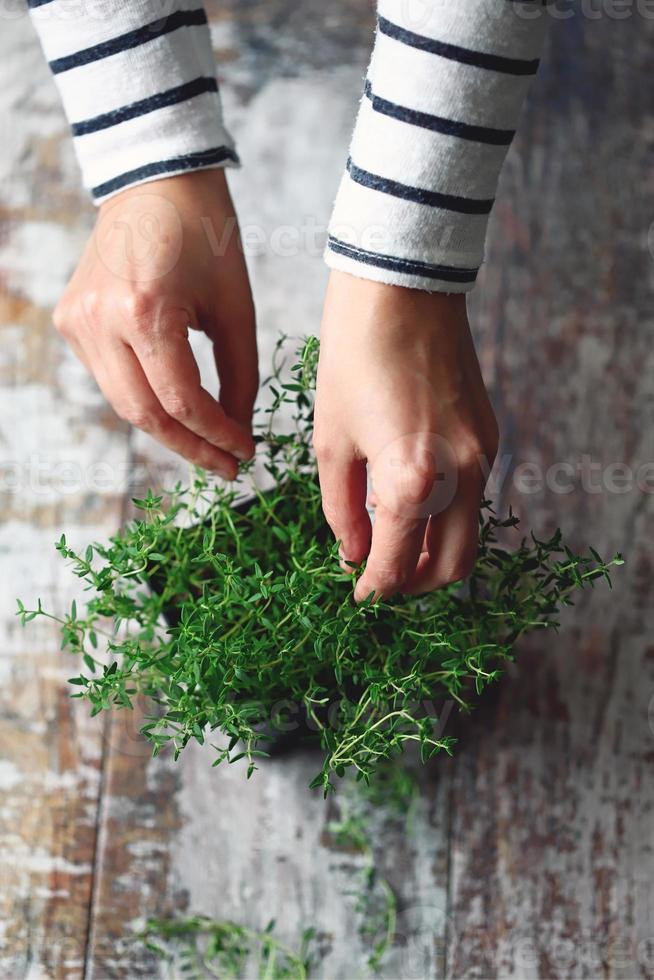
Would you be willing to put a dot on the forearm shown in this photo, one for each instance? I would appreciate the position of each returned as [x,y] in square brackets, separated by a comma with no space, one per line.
[139,89]
[441,104]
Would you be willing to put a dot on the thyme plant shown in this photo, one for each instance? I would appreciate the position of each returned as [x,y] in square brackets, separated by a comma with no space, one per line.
[227,615]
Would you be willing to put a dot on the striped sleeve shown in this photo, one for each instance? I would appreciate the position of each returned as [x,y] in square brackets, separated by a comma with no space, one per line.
[441,102]
[138,82]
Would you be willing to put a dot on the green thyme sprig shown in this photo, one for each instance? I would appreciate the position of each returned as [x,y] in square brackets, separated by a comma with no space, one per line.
[374,902]
[199,947]
[262,624]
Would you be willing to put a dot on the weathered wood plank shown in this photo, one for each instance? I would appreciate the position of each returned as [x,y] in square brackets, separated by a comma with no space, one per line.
[185,838]
[553,800]
[139,815]
[549,799]
[54,430]
[256,850]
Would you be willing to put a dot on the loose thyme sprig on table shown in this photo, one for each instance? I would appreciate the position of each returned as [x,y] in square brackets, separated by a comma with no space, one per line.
[264,617]
[203,947]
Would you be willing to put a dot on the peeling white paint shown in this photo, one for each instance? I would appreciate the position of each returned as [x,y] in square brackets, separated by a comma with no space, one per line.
[10,775]
[40,862]
[39,257]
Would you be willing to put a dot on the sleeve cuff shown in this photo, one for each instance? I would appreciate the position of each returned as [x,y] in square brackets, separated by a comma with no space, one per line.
[222,155]
[387,239]
[139,90]
[396,271]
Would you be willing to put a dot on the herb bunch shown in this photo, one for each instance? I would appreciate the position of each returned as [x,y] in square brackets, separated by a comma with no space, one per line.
[264,626]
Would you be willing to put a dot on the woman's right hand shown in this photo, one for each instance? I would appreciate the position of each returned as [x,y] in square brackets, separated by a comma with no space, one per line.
[401,399]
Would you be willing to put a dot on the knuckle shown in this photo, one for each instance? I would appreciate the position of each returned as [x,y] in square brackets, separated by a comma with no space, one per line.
[460,569]
[91,304]
[177,403]
[139,416]
[469,451]
[412,483]
[204,460]
[386,578]
[331,511]
[61,319]
[198,458]
[135,305]
[321,447]
[140,332]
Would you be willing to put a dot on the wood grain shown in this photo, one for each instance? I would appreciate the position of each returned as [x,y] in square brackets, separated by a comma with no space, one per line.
[531,851]
[552,823]
[54,430]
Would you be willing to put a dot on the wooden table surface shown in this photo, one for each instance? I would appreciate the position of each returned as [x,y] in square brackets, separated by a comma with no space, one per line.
[532,849]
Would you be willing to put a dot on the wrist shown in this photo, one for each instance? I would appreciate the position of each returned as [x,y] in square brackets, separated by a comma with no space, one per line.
[205,184]
[388,308]
[392,294]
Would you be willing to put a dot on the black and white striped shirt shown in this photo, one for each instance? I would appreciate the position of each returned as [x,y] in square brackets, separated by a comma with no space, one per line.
[440,105]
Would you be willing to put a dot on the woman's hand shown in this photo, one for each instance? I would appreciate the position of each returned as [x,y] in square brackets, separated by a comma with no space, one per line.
[165,257]
[399,387]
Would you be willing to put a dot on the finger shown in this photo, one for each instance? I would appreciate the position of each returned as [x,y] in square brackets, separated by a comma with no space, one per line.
[394,553]
[163,350]
[125,386]
[451,542]
[237,363]
[343,484]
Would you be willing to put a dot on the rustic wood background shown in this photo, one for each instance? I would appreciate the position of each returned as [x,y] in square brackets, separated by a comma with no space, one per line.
[532,850]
